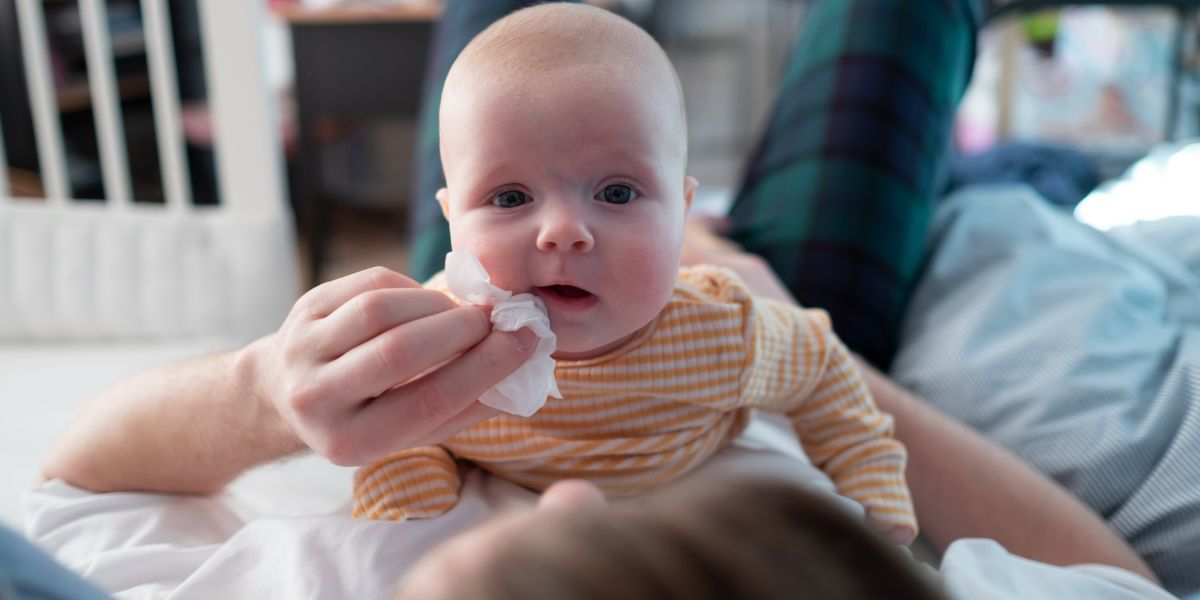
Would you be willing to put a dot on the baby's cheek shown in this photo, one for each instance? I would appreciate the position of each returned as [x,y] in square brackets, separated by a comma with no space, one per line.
[502,269]
[496,257]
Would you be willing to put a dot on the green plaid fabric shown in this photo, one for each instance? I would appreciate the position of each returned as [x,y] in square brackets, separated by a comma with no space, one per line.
[840,189]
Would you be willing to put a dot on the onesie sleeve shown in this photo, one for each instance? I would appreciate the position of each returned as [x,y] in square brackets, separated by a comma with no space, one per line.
[417,483]
[797,366]
[438,282]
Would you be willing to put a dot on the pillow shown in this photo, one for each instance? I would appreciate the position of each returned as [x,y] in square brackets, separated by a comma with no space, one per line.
[1076,349]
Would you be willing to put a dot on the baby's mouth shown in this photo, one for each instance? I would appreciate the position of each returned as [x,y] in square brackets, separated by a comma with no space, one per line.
[566,295]
[565,291]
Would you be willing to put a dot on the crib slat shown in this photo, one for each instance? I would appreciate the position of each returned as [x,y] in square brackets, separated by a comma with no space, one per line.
[109,130]
[167,122]
[246,138]
[5,191]
[43,101]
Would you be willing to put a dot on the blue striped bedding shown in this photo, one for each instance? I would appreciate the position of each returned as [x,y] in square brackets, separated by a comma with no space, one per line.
[1079,350]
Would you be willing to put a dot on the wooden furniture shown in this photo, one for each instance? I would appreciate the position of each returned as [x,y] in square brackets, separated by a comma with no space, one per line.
[356,65]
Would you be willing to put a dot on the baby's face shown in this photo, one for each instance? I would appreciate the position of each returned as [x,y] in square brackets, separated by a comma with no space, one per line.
[573,191]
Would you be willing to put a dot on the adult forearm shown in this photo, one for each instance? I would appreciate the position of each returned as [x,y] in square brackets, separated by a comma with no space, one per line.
[965,486]
[190,427]
[363,366]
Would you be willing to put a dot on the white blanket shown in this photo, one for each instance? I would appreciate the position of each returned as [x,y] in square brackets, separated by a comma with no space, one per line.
[1079,350]
[268,538]
[42,384]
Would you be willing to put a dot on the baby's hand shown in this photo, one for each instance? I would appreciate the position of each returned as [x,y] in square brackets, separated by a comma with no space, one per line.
[899,534]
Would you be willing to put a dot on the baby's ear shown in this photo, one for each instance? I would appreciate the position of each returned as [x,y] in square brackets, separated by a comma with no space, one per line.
[443,199]
[689,191]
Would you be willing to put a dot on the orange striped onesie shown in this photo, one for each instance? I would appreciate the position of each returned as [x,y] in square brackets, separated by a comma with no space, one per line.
[664,402]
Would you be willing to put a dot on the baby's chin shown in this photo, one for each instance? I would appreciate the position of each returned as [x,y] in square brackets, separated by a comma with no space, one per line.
[573,349]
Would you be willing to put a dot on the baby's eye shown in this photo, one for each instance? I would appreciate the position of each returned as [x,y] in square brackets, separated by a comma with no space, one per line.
[510,199]
[618,193]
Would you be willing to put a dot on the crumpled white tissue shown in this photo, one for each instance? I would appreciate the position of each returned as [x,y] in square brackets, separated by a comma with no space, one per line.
[525,391]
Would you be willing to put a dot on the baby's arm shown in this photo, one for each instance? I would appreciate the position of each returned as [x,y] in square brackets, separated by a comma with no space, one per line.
[411,484]
[849,438]
[808,374]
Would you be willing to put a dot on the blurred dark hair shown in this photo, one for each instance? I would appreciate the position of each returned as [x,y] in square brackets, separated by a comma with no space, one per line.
[749,539]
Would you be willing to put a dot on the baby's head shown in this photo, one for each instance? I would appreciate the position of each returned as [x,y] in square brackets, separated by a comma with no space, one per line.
[563,141]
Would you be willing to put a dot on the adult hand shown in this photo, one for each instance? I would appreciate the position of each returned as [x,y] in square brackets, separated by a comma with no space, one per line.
[372,363]
[703,243]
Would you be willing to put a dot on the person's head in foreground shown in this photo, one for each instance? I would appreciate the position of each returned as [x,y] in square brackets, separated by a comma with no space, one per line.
[747,538]
[563,140]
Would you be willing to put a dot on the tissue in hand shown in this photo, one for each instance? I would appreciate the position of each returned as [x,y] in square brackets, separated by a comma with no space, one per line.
[525,391]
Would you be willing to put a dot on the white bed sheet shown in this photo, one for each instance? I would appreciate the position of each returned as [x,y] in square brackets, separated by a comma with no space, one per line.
[282,531]
[41,385]
[241,545]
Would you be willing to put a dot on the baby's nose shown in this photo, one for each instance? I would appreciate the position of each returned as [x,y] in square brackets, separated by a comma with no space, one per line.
[564,231]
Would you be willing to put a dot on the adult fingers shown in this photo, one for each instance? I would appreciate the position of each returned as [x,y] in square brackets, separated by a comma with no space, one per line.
[372,313]
[715,224]
[704,233]
[406,351]
[474,413]
[572,495]
[322,300]
[411,413]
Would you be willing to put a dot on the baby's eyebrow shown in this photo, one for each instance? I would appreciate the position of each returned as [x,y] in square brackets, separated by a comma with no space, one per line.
[626,157]
[502,170]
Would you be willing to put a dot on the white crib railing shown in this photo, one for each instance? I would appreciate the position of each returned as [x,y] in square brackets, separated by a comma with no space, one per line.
[42,100]
[120,268]
[247,148]
[167,121]
[4,189]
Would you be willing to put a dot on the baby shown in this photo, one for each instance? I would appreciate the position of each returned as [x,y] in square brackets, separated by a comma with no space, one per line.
[563,140]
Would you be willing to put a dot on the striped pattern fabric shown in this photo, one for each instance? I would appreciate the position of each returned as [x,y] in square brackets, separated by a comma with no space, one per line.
[839,193]
[665,402]
[1076,349]
[417,483]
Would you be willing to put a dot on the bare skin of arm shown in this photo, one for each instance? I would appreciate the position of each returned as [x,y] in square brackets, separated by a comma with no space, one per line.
[963,485]
[189,427]
[363,366]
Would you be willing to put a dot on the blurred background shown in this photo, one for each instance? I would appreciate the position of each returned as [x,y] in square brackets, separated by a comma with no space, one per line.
[174,173]
[1065,95]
